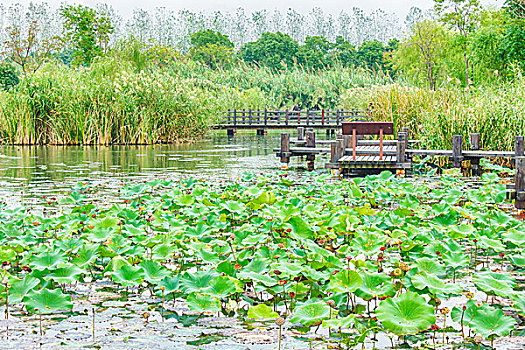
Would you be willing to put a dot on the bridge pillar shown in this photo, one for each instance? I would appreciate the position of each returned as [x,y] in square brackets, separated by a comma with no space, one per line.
[230,132]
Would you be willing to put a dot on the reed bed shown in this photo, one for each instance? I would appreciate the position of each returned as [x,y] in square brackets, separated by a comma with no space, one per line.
[115,102]
[496,112]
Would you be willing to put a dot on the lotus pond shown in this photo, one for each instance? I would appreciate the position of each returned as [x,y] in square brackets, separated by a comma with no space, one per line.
[265,261]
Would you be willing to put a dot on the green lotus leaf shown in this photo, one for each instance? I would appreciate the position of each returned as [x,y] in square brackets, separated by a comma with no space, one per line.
[515,236]
[86,255]
[375,285]
[345,322]
[66,274]
[257,265]
[170,284]
[345,282]
[262,312]
[434,284]
[128,275]
[45,301]
[153,271]
[107,223]
[233,207]
[20,288]
[257,277]
[518,260]
[311,312]
[194,282]
[456,260]
[467,314]
[461,231]
[162,251]
[492,243]
[406,314]
[47,260]
[519,304]
[221,286]
[430,266]
[495,283]
[492,322]
[301,230]
[203,302]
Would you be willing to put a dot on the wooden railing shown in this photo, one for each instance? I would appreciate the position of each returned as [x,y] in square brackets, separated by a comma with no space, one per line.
[288,118]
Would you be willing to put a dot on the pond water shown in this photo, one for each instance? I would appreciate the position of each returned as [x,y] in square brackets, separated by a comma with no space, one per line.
[29,173]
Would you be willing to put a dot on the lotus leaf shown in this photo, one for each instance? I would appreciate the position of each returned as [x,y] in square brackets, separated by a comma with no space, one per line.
[261,312]
[407,314]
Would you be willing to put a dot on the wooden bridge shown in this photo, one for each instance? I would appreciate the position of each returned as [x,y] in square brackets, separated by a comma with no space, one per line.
[262,120]
[350,154]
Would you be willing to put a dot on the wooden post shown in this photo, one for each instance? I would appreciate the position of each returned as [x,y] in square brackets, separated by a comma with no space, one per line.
[474,142]
[380,144]
[519,145]
[337,115]
[307,117]
[310,158]
[354,143]
[337,150]
[285,150]
[300,133]
[229,116]
[474,145]
[347,142]
[250,116]
[457,151]
[401,148]
[265,117]
[234,117]
[520,185]
[322,118]
[286,117]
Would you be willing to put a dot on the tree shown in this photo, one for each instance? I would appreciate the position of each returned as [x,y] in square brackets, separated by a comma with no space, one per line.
[463,16]
[274,50]
[421,53]
[8,76]
[372,55]
[314,52]
[516,8]
[87,31]
[212,48]
[344,52]
[29,50]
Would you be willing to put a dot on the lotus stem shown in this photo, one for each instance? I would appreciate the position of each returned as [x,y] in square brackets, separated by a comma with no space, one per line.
[93,329]
[280,334]
[444,326]
[40,314]
[6,301]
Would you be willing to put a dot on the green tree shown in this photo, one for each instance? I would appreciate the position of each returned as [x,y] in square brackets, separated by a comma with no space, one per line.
[314,52]
[421,54]
[344,52]
[372,55]
[8,76]
[212,48]
[462,16]
[275,50]
[87,31]
[515,8]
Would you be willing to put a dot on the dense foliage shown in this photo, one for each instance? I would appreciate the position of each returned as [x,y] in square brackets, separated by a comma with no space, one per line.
[379,255]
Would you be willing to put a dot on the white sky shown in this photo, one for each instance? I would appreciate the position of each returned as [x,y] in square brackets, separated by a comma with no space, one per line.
[125,7]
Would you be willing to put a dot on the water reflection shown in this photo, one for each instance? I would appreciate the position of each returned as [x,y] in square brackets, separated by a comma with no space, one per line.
[28,173]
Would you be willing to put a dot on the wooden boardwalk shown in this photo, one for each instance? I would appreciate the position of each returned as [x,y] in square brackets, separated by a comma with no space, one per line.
[284,119]
[373,156]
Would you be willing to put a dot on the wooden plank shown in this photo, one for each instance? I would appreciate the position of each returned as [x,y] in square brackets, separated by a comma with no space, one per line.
[368,128]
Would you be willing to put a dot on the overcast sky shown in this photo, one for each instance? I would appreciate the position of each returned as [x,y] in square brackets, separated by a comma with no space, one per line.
[125,7]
